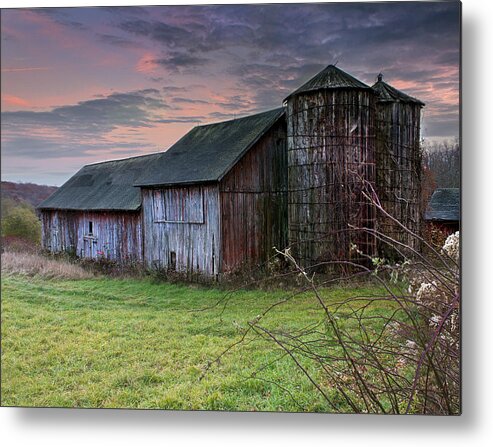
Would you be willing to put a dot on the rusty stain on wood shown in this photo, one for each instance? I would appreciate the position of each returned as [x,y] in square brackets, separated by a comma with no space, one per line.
[253,203]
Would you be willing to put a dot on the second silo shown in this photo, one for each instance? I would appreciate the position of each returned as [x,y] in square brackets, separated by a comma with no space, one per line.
[398,158]
[331,156]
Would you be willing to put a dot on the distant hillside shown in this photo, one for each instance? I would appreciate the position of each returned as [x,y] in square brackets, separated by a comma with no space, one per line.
[26,192]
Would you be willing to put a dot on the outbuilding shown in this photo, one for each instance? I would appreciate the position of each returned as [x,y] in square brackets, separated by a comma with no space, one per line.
[443,210]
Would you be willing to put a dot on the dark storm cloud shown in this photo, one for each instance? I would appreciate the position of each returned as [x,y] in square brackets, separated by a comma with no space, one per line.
[33,147]
[126,10]
[181,119]
[75,130]
[61,16]
[118,41]
[177,61]
[172,88]
[168,35]
[282,46]
[262,52]
[94,116]
[220,115]
[180,100]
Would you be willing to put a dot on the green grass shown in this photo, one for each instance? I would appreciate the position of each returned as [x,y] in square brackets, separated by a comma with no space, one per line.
[135,344]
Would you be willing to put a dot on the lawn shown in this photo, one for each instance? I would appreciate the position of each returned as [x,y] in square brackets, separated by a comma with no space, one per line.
[132,343]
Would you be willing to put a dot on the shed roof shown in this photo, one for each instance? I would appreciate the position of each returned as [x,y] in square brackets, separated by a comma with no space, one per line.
[387,93]
[102,186]
[207,153]
[444,205]
[330,77]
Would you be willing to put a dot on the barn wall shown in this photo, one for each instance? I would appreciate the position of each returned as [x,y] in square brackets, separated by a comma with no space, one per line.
[116,235]
[254,203]
[182,229]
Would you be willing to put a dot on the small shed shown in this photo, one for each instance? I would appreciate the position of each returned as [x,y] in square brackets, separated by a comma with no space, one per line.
[444,209]
[216,200]
[97,212]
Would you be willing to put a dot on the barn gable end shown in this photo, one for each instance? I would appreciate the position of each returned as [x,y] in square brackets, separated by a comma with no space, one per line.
[216,199]
[254,203]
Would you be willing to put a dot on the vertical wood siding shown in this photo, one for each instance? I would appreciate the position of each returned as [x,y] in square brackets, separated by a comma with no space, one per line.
[182,229]
[399,170]
[116,235]
[331,147]
[254,203]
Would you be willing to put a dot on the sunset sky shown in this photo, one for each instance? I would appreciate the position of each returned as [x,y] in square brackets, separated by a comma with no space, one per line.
[81,85]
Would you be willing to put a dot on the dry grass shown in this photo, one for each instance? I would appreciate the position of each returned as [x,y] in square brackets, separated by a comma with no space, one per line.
[29,264]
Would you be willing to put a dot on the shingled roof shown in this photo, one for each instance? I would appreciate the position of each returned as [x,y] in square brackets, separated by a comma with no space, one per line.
[444,205]
[387,93]
[207,153]
[102,186]
[330,77]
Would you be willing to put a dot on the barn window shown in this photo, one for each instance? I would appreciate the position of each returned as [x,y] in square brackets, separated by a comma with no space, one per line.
[172,260]
[90,227]
[179,205]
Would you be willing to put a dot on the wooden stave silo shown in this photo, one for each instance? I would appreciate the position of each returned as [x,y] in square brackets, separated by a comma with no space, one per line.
[398,169]
[331,161]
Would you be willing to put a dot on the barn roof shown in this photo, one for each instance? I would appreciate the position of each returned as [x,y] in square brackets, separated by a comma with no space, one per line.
[444,205]
[207,153]
[330,77]
[102,186]
[387,93]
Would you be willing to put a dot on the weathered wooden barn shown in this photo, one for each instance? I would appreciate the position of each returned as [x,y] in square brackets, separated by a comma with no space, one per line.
[215,201]
[225,194]
[97,212]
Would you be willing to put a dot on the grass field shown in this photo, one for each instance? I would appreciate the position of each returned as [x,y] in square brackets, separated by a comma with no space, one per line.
[131,343]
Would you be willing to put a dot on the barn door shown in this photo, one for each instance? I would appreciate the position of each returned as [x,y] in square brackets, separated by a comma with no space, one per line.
[88,247]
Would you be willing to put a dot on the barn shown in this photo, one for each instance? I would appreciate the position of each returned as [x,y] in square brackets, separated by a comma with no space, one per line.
[443,210]
[97,212]
[226,193]
[213,202]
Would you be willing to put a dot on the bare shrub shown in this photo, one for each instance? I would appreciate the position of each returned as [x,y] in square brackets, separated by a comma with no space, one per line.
[393,352]
[18,245]
[34,265]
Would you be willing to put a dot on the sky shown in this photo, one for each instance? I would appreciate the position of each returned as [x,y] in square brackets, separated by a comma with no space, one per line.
[81,85]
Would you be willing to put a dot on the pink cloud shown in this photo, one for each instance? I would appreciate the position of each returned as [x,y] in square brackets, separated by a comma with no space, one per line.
[12,100]
[21,69]
[146,63]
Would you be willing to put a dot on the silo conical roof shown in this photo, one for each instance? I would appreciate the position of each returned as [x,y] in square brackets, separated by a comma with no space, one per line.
[387,93]
[331,77]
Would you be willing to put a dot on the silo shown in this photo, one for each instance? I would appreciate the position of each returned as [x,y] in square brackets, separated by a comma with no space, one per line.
[331,154]
[398,164]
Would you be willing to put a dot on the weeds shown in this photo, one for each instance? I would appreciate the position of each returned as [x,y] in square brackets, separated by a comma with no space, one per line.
[35,265]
